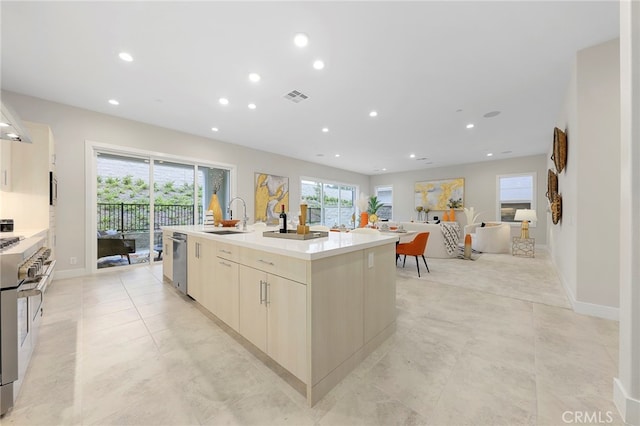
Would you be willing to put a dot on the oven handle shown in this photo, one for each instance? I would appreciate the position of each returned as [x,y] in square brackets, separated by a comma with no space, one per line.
[42,283]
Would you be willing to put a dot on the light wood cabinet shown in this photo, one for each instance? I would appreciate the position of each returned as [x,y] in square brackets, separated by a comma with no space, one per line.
[273,316]
[223,293]
[287,324]
[167,255]
[318,318]
[200,252]
[5,165]
[253,314]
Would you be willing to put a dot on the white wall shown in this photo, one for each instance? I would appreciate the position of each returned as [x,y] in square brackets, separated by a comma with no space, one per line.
[480,189]
[72,126]
[585,245]
[626,389]
[562,237]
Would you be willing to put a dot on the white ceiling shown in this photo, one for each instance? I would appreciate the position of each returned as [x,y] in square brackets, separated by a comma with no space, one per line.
[428,68]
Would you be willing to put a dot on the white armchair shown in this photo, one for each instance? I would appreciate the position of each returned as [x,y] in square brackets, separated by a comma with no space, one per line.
[492,238]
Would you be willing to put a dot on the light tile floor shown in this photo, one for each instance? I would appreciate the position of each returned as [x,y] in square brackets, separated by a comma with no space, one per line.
[476,343]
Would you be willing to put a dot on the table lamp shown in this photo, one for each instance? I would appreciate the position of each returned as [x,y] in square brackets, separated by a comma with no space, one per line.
[526,216]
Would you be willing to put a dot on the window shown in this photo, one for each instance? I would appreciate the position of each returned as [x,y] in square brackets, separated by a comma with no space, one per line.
[515,191]
[329,203]
[385,196]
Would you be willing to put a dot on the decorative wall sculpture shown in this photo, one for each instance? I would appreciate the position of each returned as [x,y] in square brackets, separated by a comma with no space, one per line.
[271,192]
[559,155]
[559,158]
[552,184]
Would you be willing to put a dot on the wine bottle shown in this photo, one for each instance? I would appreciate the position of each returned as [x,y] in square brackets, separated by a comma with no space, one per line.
[283,221]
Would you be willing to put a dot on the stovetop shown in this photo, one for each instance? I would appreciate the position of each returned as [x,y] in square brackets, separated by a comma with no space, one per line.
[14,255]
[8,242]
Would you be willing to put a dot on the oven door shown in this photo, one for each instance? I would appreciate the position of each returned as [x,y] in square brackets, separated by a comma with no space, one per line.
[8,346]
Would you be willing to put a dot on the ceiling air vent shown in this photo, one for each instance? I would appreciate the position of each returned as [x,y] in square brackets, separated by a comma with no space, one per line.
[296,96]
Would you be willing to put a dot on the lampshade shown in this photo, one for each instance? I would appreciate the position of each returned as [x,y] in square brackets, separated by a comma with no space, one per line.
[526,214]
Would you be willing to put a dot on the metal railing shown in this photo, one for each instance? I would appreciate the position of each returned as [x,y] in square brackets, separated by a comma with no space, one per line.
[124,217]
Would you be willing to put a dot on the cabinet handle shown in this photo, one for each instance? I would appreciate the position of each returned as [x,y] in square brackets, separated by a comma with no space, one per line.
[225,251]
[225,264]
[267,262]
[267,296]
[198,250]
[261,293]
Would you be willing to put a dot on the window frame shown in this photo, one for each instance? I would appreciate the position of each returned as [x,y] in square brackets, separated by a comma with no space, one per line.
[323,182]
[377,187]
[534,179]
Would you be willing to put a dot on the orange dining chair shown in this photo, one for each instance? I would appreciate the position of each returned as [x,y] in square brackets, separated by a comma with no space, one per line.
[414,248]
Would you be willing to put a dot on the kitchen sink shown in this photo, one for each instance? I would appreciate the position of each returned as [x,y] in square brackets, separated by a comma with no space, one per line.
[224,232]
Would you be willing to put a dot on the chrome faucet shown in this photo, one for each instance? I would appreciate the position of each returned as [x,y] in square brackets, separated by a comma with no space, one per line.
[244,207]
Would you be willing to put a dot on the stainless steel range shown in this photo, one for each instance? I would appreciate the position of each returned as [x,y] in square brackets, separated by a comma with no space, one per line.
[25,272]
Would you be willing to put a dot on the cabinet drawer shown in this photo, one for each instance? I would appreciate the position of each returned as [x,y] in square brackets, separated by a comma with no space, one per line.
[227,251]
[287,267]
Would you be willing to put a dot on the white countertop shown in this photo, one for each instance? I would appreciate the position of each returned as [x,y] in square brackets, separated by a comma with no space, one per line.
[335,244]
[26,233]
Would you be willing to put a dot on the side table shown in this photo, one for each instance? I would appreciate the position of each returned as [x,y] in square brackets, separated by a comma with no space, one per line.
[524,247]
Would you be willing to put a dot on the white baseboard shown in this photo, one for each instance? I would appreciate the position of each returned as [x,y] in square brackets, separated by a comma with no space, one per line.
[585,308]
[628,407]
[70,273]
[600,311]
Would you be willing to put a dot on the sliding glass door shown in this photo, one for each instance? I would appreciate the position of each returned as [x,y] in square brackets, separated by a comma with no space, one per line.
[123,210]
[137,195]
[173,196]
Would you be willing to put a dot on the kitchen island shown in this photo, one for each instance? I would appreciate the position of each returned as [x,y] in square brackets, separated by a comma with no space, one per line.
[316,307]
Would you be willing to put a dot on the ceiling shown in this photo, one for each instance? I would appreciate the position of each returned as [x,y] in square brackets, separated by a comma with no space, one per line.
[428,69]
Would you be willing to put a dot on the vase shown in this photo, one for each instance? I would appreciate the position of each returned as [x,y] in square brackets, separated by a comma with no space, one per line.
[214,206]
[467,246]
[445,217]
[452,215]
[364,219]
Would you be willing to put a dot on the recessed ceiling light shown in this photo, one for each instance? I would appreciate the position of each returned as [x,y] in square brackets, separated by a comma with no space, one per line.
[254,77]
[470,126]
[490,154]
[491,114]
[373,114]
[4,124]
[318,64]
[384,169]
[337,155]
[252,106]
[412,156]
[301,40]
[319,155]
[325,129]
[114,102]
[223,101]
[214,129]
[125,56]
[459,110]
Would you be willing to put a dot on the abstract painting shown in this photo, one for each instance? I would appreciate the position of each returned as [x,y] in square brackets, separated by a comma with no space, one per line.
[440,194]
[271,193]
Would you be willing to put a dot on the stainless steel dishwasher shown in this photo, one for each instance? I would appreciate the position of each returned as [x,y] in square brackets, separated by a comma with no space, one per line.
[180,261]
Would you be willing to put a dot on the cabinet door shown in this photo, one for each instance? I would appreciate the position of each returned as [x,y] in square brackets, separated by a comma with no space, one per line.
[226,292]
[206,259]
[287,324]
[194,267]
[5,165]
[253,312]
[167,255]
